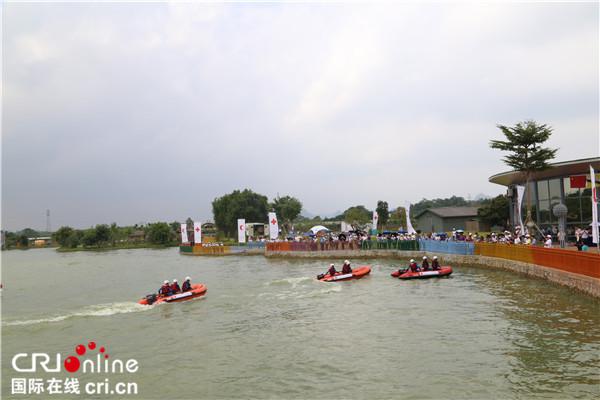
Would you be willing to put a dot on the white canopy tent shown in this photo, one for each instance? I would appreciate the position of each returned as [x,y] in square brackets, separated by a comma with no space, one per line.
[318,228]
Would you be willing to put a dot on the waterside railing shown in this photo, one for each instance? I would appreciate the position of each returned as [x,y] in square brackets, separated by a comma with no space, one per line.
[578,262]
[449,247]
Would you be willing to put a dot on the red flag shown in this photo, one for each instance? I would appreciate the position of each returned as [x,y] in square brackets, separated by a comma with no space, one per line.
[577,181]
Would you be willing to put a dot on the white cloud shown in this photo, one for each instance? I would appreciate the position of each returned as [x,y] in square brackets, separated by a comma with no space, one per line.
[132,112]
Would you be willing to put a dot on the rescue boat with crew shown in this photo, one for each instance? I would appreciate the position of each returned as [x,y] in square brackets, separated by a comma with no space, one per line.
[198,290]
[406,273]
[357,273]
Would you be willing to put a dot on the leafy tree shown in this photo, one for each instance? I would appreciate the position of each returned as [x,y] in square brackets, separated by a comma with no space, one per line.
[495,211]
[29,232]
[383,212]
[89,237]
[160,233]
[73,240]
[398,217]
[175,226]
[23,240]
[358,216]
[523,142]
[287,209]
[424,204]
[115,233]
[61,236]
[239,204]
[102,233]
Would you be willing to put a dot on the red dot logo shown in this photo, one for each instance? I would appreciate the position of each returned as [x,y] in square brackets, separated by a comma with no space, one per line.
[72,364]
[102,349]
[80,349]
[92,345]
[106,356]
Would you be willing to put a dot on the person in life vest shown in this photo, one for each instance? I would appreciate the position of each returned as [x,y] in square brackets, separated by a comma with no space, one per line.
[187,285]
[425,264]
[346,269]
[175,287]
[332,270]
[413,266]
[165,289]
[435,264]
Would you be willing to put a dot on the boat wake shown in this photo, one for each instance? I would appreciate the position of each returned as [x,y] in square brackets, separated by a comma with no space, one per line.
[98,310]
[294,282]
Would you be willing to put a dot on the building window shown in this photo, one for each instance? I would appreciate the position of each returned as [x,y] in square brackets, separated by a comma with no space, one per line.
[573,202]
[545,212]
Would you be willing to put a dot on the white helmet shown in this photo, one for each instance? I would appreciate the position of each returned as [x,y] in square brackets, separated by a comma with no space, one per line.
[435,257]
[187,278]
[165,282]
[346,262]
[331,265]
[424,257]
[412,260]
[174,280]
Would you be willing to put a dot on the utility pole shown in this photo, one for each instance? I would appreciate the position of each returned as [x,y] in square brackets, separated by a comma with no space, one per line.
[48,226]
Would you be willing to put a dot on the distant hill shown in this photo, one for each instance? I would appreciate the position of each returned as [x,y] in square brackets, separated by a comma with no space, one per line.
[309,215]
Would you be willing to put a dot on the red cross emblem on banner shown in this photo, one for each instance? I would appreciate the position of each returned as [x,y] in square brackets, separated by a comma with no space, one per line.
[241,227]
[273,221]
[197,229]
[182,230]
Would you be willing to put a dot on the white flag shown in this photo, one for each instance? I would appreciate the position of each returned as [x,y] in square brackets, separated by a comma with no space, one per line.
[241,230]
[375,219]
[273,226]
[184,238]
[594,206]
[409,227]
[520,194]
[197,232]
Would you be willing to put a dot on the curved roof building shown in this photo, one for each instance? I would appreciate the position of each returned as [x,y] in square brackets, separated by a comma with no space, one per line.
[566,182]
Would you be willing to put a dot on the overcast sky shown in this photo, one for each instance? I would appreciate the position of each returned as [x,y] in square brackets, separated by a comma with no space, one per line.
[135,113]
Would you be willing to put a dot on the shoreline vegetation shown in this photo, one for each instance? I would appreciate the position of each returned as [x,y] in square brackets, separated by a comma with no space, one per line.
[126,246]
[226,209]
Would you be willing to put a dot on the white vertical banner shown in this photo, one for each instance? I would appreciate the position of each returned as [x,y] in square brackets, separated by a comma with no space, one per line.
[273,226]
[197,232]
[594,207]
[183,230]
[241,231]
[409,227]
[375,219]
[520,195]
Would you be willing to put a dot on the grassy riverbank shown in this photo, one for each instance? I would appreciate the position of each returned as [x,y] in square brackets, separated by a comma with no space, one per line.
[121,246]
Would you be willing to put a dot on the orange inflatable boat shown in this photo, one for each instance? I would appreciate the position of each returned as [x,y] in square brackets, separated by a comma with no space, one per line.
[198,290]
[357,273]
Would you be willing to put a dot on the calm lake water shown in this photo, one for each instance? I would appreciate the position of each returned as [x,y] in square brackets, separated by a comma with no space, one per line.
[268,329]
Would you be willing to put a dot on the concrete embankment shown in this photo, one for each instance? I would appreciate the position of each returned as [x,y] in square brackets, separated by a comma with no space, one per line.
[582,283]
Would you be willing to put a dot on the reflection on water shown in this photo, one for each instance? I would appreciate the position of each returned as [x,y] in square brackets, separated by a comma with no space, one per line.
[544,325]
[268,329]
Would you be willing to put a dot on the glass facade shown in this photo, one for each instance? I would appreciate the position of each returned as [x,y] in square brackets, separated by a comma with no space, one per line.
[547,193]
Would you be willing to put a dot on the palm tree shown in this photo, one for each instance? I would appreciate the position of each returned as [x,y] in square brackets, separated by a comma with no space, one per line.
[524,142]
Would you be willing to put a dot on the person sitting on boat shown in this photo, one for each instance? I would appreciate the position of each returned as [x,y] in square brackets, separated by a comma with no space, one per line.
[332,270]
[346,269]
[175,287]
[435,264]
[413,266]
[165,289]
[425,264]
[187,285]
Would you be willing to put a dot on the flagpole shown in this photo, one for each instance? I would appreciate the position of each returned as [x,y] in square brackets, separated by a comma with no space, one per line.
[595,238]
